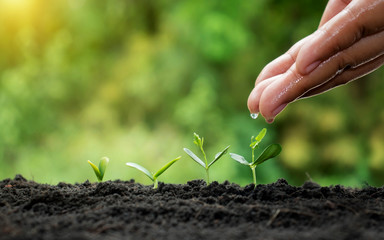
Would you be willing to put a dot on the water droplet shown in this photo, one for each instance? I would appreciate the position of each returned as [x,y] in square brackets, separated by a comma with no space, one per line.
[254,115]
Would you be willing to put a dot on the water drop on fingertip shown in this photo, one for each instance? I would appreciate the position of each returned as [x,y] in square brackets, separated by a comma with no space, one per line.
[254,115]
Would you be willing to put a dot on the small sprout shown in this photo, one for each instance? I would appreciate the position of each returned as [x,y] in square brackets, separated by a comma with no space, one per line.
[99,171]
[199,142]
[270,152]
[153,177]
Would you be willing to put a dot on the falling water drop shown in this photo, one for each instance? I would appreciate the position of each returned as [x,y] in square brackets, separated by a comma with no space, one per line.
[254,115]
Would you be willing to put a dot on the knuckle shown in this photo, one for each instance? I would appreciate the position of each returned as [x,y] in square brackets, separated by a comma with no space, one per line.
[291,56]
[294,73]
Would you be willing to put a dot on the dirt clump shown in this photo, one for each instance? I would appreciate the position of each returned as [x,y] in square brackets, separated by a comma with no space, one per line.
[129,210]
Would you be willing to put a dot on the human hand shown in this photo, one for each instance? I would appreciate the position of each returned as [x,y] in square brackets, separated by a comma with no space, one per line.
[348,44]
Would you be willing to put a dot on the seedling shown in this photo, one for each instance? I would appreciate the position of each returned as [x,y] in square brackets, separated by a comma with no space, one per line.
[270,152]
[199,142]
[99,171]
[153,177]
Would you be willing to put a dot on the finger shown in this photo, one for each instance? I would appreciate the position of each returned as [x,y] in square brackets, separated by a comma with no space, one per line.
[291,85]
[282,63]
[332,9]
[254,97]
[356,61]
[357,20]
[268,74]
[347,76]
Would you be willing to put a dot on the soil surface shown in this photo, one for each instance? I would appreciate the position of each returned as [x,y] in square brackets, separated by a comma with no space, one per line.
[128,210]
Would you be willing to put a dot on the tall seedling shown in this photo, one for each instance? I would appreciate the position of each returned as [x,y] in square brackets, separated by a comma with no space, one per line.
[199,142]
[270,152]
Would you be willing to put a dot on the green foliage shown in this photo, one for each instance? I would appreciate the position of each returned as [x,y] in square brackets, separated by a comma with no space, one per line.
[199,142]
[270,152]
[100,171]
[151,176]
[256,140]
[83,79]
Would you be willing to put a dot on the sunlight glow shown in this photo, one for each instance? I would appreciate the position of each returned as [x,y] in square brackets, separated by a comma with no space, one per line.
[15,5]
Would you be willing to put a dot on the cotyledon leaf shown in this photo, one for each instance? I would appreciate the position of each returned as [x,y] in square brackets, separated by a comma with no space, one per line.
[218,156]
[96,170]
[239,158]
[103,165]
[158,173]
[194,157]
[141,168]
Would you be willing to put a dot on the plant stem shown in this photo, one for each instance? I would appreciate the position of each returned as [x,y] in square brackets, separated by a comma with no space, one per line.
[254,174]
[253,155]
[205,157]
[253,167]
[206,163]
[155,183]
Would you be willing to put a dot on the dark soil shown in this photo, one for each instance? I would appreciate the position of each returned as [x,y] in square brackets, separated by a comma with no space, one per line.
[128,210]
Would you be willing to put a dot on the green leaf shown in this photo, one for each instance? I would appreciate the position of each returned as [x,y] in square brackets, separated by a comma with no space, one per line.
[270,152]
[218,156]
[194,157]
[103,165]
[96,170]
[261,135]
[258,138]
[141,168]
[158,173]
[239,158]
[197,140]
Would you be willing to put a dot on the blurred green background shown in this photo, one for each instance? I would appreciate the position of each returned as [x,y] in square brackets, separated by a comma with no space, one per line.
[132,80]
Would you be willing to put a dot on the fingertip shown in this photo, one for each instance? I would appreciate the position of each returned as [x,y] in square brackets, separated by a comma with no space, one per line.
[270,120]
[271,115]
[254,97]
[253,103]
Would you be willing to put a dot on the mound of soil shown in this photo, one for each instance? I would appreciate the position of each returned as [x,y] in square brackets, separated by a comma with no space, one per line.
[128,210]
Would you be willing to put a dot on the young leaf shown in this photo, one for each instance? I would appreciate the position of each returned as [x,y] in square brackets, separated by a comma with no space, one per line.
[197,140]
[261,135]
[219,155]
[96,170]
[103,165]
[194,157]
[239,158]
[270,152]
[141,168]
[158,173]
[258,138]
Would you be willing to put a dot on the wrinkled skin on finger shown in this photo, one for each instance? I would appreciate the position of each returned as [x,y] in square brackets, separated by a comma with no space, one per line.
[348,44]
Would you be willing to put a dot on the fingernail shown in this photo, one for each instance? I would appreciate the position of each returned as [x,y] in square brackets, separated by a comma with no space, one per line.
[312,67]
[279,109]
